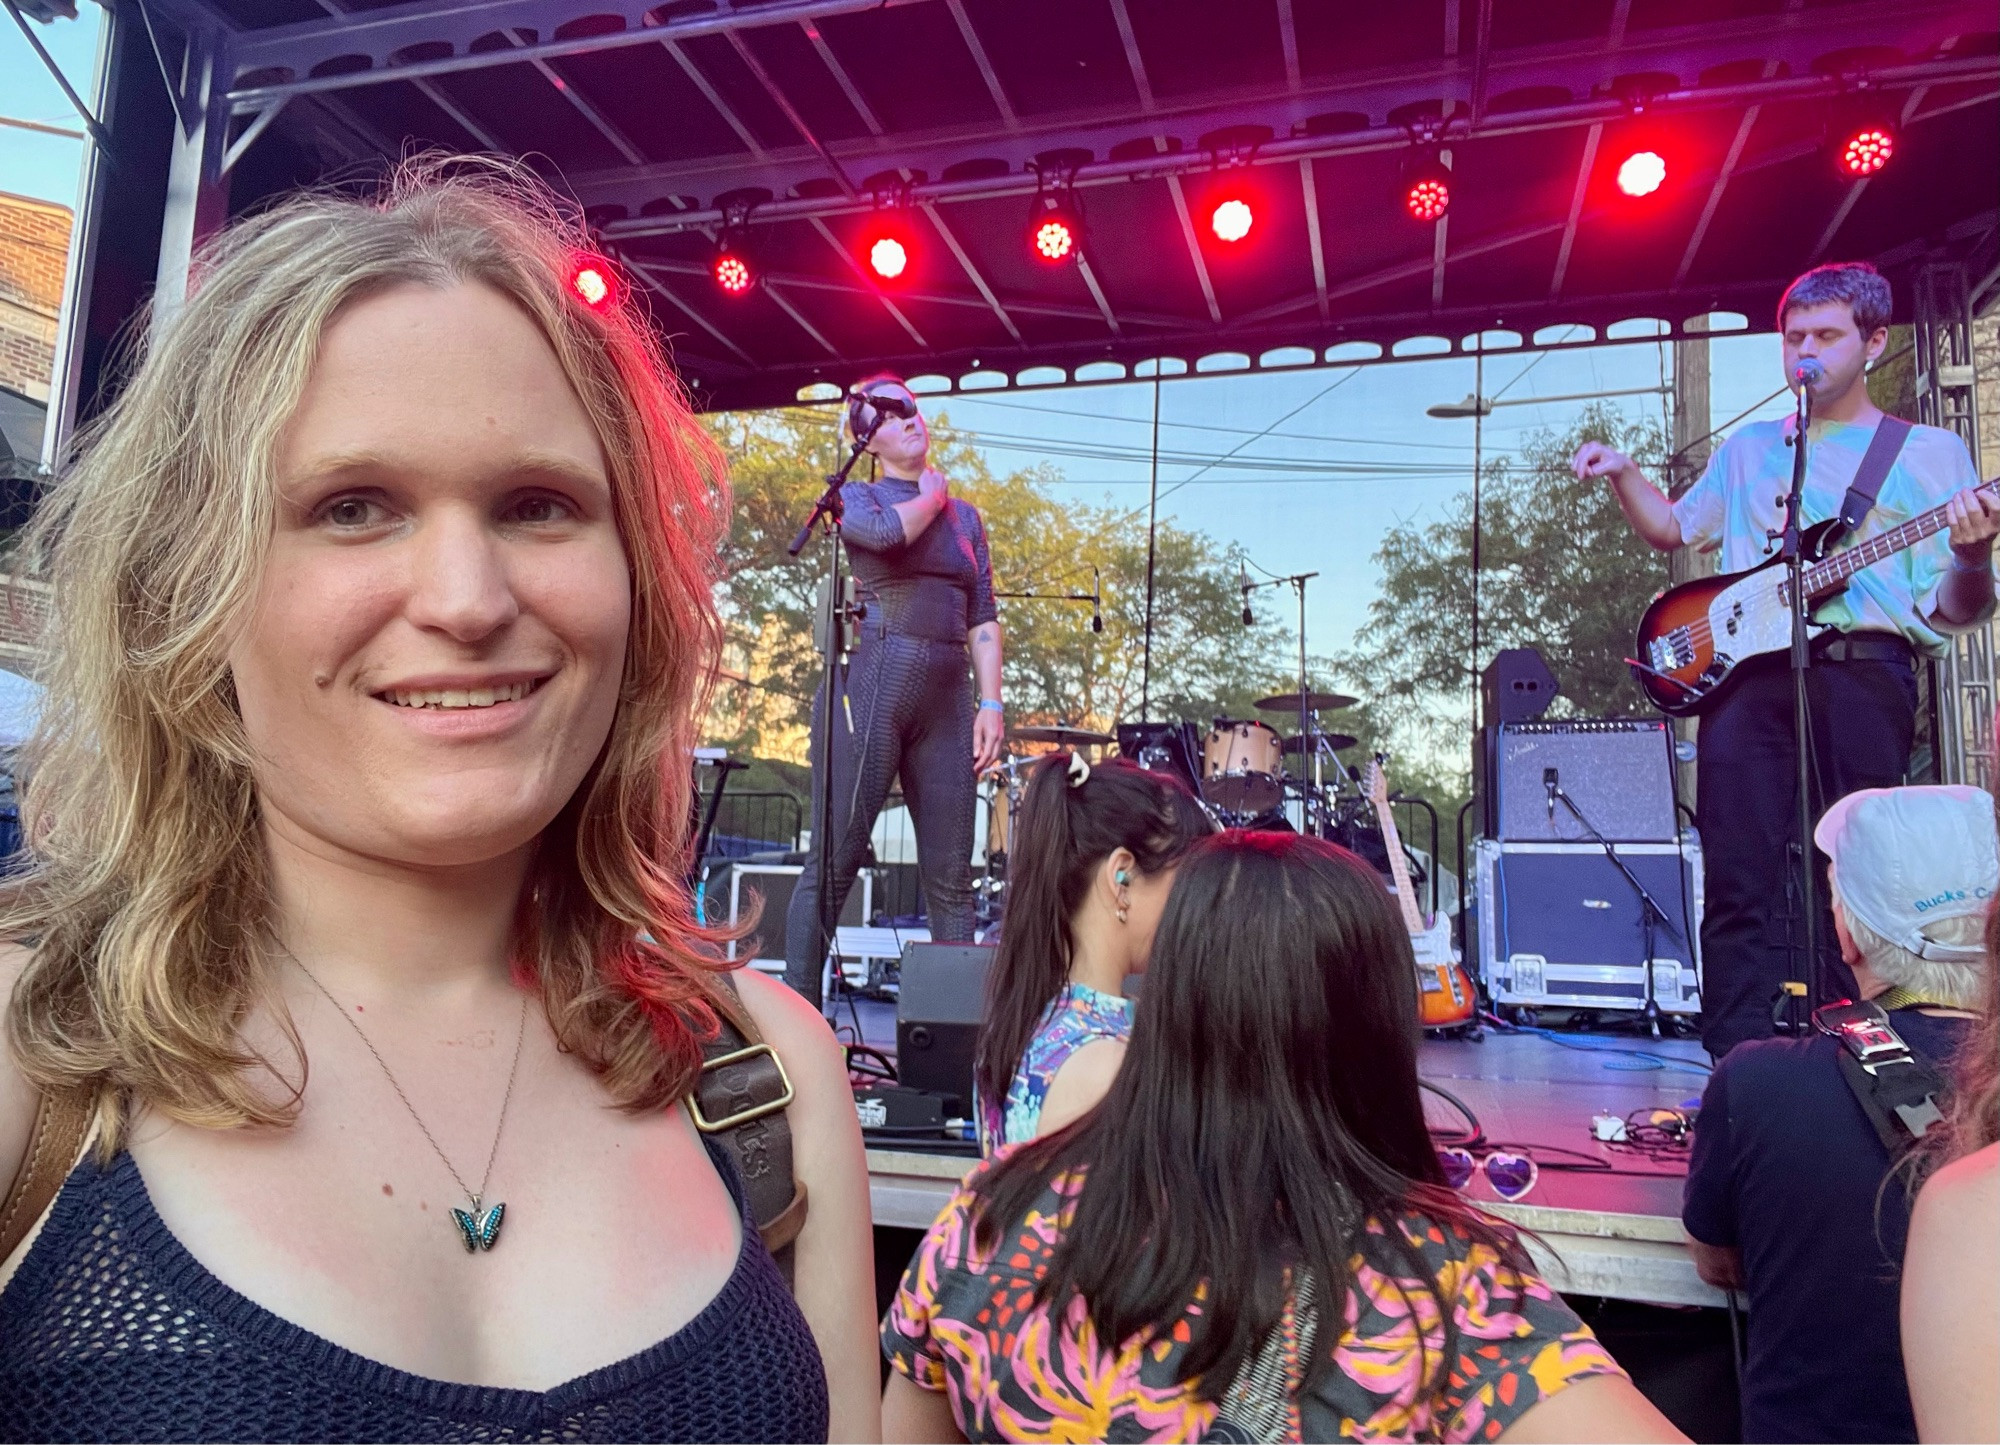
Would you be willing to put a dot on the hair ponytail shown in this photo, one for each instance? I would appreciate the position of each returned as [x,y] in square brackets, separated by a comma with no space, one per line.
[1072,817]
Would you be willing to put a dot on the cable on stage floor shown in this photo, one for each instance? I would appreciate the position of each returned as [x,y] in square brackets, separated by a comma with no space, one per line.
[1620,1059]
[1474,1135]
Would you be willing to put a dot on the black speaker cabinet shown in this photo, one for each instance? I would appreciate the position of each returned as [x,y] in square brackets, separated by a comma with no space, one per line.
[938,1014]
[1618,771]
[1516,686]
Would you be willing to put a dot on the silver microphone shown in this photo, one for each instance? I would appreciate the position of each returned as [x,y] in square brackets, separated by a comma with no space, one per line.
[1808,372]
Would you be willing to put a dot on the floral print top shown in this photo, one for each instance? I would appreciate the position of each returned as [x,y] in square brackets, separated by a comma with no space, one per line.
[967,1324]
[1077,1016]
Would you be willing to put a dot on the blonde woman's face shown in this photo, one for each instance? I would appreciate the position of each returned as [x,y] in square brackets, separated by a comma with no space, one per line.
[434,658]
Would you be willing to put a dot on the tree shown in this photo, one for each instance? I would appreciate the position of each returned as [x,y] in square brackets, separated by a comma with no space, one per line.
[1205,663]
[1560,570]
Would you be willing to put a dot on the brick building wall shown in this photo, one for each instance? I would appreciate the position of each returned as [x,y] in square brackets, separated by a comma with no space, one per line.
[34,249]
[24,609]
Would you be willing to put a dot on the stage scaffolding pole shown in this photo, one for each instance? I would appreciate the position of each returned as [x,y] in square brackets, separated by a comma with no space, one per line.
[1152,534]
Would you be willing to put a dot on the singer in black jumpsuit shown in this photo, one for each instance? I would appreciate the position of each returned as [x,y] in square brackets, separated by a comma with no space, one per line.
[904,707]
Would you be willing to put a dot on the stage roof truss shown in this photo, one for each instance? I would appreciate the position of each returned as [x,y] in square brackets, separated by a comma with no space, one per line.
[788,122]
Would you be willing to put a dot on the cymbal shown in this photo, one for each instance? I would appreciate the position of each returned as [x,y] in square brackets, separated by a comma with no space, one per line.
[1314,702]
[1062,736]
[1337,741]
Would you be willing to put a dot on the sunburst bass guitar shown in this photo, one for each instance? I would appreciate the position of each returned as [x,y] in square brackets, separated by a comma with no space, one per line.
[1444,994]
[1694,636]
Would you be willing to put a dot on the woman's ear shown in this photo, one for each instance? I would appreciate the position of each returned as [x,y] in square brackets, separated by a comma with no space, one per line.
[1116,874]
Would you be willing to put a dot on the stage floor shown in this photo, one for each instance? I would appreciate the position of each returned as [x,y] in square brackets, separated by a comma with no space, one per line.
[1609,1224]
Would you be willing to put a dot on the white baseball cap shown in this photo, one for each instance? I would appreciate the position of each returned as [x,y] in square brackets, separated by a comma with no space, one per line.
[1906,857]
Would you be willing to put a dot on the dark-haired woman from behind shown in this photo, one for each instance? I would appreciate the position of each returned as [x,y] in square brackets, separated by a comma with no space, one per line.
[1258,1186]
[1093,857]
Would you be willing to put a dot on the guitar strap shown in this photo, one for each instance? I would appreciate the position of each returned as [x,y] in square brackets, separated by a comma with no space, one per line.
[1883,449]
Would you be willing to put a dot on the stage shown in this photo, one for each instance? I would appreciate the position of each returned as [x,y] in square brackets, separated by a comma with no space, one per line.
[1609,1226]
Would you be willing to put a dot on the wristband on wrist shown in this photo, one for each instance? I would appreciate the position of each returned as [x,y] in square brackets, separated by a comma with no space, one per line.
[1960,563]
[990,704]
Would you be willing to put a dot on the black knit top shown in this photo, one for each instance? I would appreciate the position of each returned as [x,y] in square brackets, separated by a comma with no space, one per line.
[111,1330]
[938,587]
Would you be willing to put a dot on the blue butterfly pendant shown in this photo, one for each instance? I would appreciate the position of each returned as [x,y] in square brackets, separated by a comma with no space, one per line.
[480,1227]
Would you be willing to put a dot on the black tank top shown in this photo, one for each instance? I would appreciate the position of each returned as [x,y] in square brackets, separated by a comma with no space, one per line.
[111,1330]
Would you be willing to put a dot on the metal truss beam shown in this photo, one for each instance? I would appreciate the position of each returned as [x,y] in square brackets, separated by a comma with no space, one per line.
[600,190]
[798,282]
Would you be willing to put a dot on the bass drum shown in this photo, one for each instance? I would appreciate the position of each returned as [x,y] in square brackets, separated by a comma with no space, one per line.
[1241,764]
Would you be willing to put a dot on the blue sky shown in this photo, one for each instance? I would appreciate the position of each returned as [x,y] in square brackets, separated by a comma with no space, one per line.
[1364,416]
[31,164]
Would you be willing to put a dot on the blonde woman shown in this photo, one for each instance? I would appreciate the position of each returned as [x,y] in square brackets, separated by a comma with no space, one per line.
[382,619]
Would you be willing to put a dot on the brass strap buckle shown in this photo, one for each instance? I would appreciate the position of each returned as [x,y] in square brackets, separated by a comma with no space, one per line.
[754,1111]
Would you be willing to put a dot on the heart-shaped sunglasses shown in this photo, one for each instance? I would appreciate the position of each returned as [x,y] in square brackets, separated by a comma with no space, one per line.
[1511,1175]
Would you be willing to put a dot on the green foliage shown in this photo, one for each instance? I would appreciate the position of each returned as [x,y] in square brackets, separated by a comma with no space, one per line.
[1560,570]
[1205,663]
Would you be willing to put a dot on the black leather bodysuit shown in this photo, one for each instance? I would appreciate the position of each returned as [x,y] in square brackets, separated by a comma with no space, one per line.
[905,710]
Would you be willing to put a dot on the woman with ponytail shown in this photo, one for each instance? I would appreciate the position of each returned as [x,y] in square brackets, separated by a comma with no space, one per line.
[1092,859]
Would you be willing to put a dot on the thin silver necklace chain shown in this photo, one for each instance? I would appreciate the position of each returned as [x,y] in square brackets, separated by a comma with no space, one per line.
[521,1033]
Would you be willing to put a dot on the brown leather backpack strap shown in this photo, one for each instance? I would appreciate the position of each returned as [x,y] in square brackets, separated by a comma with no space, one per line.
[62,1122]
[740,1099]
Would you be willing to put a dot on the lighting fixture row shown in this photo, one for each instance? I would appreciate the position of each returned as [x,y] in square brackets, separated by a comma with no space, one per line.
[1054,236]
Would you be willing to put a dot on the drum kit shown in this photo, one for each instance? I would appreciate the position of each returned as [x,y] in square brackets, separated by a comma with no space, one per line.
[1245,772]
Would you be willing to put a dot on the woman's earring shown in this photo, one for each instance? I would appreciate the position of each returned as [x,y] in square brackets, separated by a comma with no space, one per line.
[1121,915]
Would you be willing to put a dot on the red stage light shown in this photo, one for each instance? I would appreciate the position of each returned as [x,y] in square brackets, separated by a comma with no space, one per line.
[888,257]
[1866,150]
[1642,173]
[1231,219]
[1054,240]
[732,273]
[594,282]
[1429,198]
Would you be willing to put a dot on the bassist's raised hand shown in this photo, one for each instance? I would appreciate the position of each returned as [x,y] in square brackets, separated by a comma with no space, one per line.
[1599,459]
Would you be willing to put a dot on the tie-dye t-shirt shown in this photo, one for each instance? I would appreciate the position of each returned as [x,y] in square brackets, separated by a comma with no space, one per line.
[967,1324]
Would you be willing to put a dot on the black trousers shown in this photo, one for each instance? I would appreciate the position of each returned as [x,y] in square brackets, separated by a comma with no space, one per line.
[1863,716]
[907,712]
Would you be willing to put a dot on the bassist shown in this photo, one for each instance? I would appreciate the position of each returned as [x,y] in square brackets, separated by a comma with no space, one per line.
[1862,685]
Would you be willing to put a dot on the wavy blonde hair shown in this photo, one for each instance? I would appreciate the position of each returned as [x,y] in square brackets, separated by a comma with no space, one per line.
[150,907]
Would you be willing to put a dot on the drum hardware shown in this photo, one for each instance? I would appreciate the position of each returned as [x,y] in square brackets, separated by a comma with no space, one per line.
[1334,742]
[1061,734]
[1312,702]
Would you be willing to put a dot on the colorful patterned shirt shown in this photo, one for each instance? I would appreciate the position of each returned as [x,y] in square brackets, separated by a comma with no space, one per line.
[1077,1016]
[967,1324]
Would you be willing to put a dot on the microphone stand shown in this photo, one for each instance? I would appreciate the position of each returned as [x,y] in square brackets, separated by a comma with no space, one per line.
[1791,547]
[1650,912]
[838,617]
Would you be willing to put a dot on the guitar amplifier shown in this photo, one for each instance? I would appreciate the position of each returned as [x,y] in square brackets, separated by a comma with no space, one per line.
[939,1011]
[1558,926]
[1619,772]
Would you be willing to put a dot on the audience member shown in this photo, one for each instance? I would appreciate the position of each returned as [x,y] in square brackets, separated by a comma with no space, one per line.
[1951,1308]
[1258,1185]
[1791,1192]
[1089,865]
[382,629]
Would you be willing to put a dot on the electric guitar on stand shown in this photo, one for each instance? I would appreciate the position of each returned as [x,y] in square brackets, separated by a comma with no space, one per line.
[1444,994]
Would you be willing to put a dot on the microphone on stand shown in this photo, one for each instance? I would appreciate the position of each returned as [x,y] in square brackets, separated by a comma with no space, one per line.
[1808,372]
[1243,581]
[1550,781]
[885,402]
[1096,602]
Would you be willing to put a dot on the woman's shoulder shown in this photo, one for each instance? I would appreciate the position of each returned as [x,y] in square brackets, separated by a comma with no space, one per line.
[1960,1199]
[19,1099]
[792,1026]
